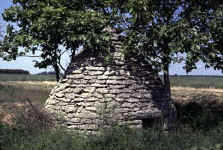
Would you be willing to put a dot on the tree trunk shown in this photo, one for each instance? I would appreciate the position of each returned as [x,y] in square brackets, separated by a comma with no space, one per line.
[166,79]
[57,71]
[170,111]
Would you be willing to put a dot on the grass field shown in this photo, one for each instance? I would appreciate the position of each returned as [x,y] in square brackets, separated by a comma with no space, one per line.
[179,81]
[197,81]
[23,77]
[199,123]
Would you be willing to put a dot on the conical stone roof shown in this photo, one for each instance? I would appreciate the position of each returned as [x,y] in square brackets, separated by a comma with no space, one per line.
[95,93]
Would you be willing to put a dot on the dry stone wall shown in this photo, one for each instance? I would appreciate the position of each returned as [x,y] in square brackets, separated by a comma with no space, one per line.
[95,94]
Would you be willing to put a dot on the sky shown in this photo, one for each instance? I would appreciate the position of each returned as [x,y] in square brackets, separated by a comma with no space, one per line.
[26,63]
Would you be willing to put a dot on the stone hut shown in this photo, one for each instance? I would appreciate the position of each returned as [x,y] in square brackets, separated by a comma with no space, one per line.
[95,93]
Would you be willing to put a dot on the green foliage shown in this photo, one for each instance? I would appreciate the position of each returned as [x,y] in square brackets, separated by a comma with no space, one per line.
[162,30]
[198,116]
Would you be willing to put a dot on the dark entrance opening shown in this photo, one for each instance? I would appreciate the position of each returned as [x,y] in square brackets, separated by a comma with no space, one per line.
[151,123]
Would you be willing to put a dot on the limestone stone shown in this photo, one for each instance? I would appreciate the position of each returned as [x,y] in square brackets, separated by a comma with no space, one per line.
[117,86]
[95,73]
[102,90]
[91,99]
[87,77]
[91,108]
[78,71]
[100,82]
[109,95]
[114,91]
[97,95]
[115,78]
[103,77]
[133,100]
[109,73]
[76,100]
[85,95]
[92,68]
[59,95]
[127,105]
[97,85]
[124,96]
[77,90]
[114,82]
[77,76]
[77,120]
[81,81]
[90,89]
[52,102]
[72,95]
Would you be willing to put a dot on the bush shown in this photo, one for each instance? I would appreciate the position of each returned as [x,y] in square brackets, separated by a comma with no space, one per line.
[31,119]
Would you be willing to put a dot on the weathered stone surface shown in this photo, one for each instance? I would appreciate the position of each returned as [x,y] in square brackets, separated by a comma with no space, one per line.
[95,73]
[117,86]
[95,93]
[90,89]
[102,90]
[97,85]
[98,95]
[109,95]
[92,68]
[109,73]
[76,77]
[78,71]
[103,77]
[76,90]
[124,96]
[59,95]
[114,91]
[85,95]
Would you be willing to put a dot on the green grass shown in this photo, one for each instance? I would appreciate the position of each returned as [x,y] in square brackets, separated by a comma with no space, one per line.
[197,81]
[113,139]
[19,77]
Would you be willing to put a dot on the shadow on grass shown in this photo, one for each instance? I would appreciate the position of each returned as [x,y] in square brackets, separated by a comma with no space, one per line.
[200,112]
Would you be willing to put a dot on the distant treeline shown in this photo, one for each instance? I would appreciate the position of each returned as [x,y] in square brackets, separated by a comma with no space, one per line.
[48,73]
[13,71]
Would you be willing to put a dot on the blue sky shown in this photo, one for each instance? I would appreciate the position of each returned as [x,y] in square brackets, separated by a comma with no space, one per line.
[27,63]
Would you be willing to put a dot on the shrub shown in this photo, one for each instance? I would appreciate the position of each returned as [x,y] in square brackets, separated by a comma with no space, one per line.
[32,119]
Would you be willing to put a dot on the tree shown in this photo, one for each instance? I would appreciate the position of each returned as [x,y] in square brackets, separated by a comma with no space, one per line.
[1,35]
[48,25]
[164,32]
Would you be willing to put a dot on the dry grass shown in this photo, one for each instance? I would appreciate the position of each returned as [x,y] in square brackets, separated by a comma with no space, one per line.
[14,95]
[30,84]
[187,94]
